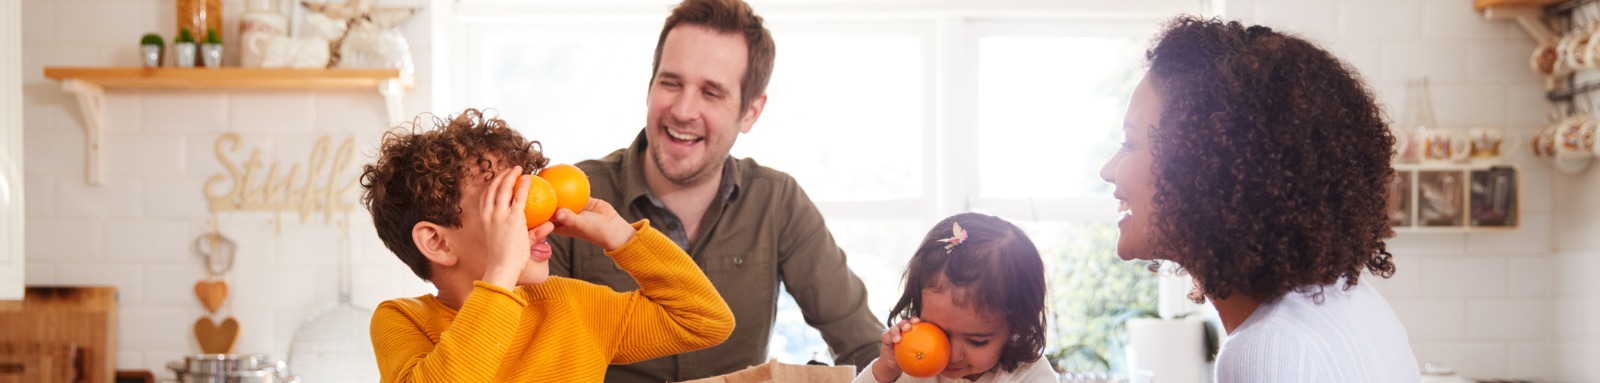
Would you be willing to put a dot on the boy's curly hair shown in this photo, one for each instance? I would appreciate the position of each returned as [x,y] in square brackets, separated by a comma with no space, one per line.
[418,175]
[996,269]
[1271,159]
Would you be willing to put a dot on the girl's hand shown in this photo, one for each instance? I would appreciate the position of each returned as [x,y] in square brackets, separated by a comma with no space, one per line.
[886,369]
[599,224]
[505,230]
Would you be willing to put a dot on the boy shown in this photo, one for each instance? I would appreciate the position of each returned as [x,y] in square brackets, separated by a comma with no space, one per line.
[448,202]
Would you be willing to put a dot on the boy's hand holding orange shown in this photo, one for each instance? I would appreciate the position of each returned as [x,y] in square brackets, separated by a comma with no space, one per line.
[557,186]
[914,347]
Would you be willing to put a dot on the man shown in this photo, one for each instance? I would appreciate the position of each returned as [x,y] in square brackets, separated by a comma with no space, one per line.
[747,226]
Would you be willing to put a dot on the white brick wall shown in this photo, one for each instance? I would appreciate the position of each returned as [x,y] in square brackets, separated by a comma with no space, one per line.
[1490,304]
[135,231]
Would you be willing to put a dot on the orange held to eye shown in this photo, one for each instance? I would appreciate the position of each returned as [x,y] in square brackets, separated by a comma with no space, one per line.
[541,202]
[923,351]
[571,186]
[554,187]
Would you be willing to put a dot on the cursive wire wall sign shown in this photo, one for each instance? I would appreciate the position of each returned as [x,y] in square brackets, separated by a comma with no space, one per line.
[322,186]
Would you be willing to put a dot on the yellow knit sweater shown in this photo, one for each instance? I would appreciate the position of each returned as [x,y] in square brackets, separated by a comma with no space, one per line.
[563,330]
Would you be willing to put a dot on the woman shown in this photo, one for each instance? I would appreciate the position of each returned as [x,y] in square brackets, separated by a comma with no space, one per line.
[1259,163]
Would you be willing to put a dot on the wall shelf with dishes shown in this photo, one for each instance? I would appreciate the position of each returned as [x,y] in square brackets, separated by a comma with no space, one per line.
[1568,56]
[1454,198]
[88,84]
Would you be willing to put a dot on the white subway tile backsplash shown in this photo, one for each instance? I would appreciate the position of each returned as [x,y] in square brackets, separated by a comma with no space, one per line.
[1531,238]
[39,24]
[149,326]
[1441,62]
[118,197]
[1531,361]
[120,22]
[184,111]
[1472,360]
[1449,20]
[1309,19]
[1406,282]
[44,105]
[172,283]
[1501,62]
[130,360]
[35,272]
[1531,278]
[1525,105]
[255,336]
[1509,319]
[1572,319]
[1464,277]
[355,113]
[144,154]
[124,276]
[1576,273]
[58,153]
[1415,244]
[1468,104]
[1380,20]
[283,112]
[149,240]
[1431,319]
[203,161]
[176,198]
[273,285]
[62,239]
[1577,362]
[39,196]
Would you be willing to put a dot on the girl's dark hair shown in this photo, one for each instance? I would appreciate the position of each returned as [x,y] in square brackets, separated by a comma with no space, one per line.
[1271,159]
[417,176]
[996,269]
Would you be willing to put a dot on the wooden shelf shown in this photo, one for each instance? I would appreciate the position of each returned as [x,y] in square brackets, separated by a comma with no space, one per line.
[89,84]
[231,78]
[1485,4]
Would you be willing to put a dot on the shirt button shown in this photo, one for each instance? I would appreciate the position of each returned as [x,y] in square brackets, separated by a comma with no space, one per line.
[738,261]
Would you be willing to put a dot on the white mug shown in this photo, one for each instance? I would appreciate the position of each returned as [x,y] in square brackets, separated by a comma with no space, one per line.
[1442,146]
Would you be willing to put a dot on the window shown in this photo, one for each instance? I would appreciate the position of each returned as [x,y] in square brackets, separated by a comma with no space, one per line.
[891,114]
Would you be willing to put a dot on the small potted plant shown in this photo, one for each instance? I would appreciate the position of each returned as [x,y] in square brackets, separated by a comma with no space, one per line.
[211,50]
[183,47]
[150,48]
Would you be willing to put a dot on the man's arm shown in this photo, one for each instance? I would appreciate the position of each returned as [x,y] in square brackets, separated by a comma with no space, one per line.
[831,297]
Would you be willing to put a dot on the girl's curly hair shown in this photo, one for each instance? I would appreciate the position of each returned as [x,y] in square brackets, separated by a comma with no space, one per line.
[997,269]
[418,175]
[1271,162]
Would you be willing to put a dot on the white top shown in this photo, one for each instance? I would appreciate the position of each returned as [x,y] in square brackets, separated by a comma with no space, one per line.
[1352,336]
[1037,372]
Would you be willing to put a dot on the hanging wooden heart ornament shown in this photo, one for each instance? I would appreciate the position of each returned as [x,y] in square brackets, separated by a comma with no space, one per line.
[216,338]
[211,294]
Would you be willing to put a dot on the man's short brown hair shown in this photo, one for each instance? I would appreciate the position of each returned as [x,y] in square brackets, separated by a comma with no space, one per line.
[727,16]
[418,176]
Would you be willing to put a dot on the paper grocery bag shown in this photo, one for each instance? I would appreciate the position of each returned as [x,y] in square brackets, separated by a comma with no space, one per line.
[775,372]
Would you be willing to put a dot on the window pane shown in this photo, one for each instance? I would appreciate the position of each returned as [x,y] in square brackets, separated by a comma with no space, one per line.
[1088,289]
[1050,112]
[581,97]
[844,116]
[877,250]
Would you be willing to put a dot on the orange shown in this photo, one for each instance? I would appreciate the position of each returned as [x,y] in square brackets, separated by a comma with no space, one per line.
[541,202]
[923,351]
[571,186]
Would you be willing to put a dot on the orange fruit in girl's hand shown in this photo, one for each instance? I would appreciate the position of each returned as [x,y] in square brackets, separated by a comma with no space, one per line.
[571,186]
[923,351]
[541,202]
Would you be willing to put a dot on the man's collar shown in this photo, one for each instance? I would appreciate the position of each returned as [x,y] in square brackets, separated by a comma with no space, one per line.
[633,185]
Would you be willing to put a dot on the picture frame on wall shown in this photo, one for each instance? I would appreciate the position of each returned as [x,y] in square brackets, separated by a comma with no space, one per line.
[1494,197]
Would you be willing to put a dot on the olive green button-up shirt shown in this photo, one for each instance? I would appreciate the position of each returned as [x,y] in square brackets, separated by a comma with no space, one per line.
[760,230]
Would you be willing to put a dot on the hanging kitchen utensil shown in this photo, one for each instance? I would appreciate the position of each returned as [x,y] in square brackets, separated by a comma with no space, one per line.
[334,346]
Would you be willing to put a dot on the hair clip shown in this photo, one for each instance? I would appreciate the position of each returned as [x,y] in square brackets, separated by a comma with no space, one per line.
[958,236]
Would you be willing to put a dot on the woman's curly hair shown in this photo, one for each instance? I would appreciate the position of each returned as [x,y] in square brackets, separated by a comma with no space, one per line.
[418,175]
[1271,161]
[997,269]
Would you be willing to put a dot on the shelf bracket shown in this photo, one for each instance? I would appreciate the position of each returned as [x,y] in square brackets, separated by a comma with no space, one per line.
[394,100]
[1527,16]
[91,104]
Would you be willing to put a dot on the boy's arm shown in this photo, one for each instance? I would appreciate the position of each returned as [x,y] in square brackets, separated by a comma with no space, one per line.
[469,350]
[675,310]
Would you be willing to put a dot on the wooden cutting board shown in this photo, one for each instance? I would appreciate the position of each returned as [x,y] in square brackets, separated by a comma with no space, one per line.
[80,315]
